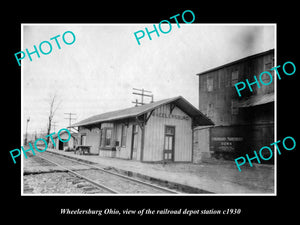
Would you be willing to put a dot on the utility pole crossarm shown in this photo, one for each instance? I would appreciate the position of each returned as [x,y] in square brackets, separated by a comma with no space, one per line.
[70,118]
[136,89]
[142,94]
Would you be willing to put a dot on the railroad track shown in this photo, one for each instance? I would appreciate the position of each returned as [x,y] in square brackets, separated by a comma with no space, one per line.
[102,179]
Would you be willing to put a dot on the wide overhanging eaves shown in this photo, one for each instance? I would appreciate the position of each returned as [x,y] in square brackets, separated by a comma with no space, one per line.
[100,121]
[184,105]
[123,114]
[199,118]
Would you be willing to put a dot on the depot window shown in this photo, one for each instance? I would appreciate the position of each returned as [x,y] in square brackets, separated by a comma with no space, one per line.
[124,136]
[108,135]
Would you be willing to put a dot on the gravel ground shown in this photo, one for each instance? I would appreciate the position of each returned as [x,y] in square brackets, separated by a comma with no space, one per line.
[42,177]
[58,183]
[214,175]
[50,183]
[119,184]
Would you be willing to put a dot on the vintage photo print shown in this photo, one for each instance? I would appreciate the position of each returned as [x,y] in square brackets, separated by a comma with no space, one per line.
[173,108]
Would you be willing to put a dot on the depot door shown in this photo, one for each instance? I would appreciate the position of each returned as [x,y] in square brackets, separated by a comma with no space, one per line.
[134,143]
[60,145]
[83,140]
[169,143]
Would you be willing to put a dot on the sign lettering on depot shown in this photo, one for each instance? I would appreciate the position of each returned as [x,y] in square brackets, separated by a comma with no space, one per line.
[164,29]
[36,143]
[170,116]
[45,47]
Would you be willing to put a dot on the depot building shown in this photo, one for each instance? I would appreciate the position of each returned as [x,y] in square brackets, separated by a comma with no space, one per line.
[158,131]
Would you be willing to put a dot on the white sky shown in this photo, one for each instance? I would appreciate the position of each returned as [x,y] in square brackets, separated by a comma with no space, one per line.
[96,74]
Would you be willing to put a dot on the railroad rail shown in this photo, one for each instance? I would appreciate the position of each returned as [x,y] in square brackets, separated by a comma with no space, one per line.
[97,184]
[97,176]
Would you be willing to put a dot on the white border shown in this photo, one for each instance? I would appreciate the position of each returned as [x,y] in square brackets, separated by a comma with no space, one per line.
[275,111]
[194,24]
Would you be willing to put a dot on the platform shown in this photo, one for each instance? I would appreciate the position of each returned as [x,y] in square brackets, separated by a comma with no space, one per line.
[214,177]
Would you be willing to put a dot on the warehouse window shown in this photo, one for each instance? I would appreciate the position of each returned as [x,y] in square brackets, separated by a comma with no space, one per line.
[202,83]
[210,84]
[210,110]
[265,77]
[227,79]
[124,136]
[221,80]
[234,77]
[268,66]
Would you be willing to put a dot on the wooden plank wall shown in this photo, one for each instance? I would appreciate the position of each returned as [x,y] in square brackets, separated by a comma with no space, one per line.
[92,138]
[201,144]
[123,152]
[217,103]
[155,132]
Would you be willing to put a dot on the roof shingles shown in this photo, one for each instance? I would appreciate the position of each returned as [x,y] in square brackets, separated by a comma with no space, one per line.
[139,110]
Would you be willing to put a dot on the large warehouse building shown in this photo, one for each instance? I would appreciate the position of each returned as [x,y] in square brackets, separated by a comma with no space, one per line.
[242,124]
[161,131]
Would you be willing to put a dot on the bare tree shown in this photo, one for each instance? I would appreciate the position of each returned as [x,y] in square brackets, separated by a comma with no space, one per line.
[53,107]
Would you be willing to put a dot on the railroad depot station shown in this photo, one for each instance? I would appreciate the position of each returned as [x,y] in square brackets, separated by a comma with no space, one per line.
[156,132]
[225,126]
[174,144]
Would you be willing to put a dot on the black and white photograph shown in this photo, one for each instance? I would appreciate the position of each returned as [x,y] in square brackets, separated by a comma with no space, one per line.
[160,116]
[154,112]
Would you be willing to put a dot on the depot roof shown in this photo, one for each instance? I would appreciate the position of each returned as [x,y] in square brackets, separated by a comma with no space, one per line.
[199,118]
[63,132]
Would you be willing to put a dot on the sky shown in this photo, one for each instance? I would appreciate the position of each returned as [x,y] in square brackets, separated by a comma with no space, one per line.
[97,72]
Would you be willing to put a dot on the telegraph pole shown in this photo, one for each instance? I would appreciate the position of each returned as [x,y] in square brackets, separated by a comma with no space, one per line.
[70,118]
[142,94]
[28,119]
[53,125]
